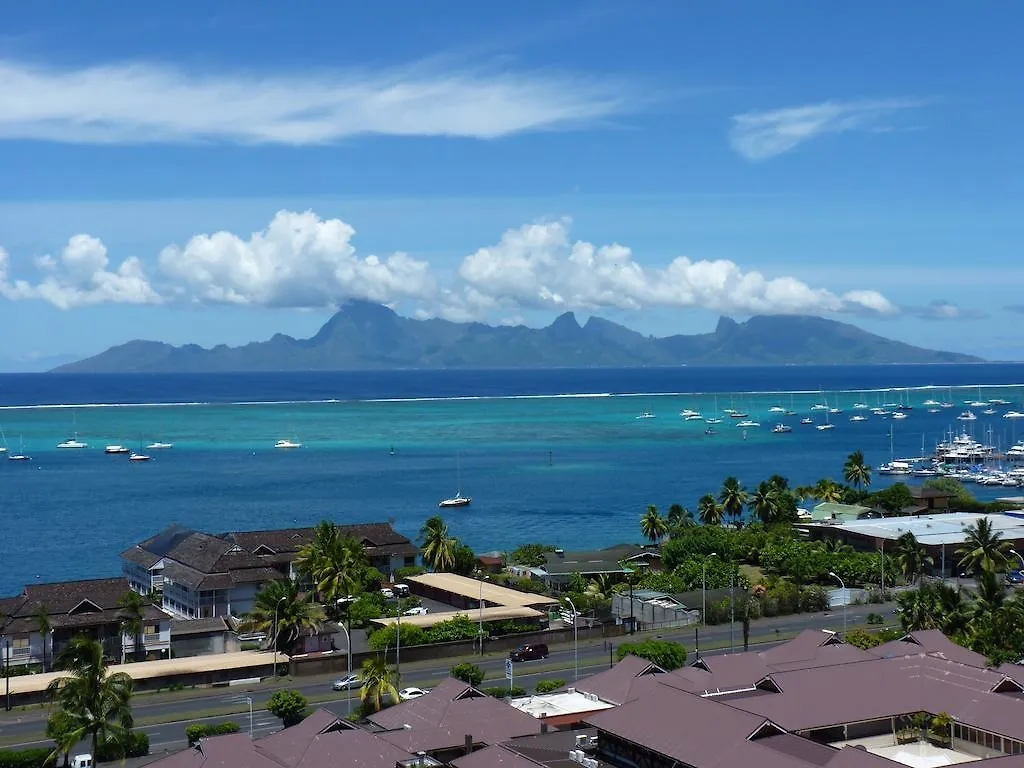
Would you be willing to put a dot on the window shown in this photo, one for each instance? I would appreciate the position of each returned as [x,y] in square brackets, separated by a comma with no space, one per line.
[20,643]
[150,629]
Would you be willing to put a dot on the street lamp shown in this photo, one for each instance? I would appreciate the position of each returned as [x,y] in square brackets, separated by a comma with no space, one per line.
[276,606]
[575,640]
[704,589]
[348,642]
[1017,554]
[249,699]
[842,584]
[480,619]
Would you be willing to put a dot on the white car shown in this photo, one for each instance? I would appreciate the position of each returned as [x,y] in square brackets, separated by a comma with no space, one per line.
[407,694]
[417,611]
[388,593]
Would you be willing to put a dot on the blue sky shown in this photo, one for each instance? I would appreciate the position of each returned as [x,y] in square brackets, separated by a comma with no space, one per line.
[216,176]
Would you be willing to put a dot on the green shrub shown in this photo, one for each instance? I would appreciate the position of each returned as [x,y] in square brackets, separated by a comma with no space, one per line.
[503,691]
[136,745]
[201,731]
[814,599]
[547,686]
[459,627]
[664,653]
[289,705]
[410,570]
[386,637]
[468,673]
[248,646]
[24,758]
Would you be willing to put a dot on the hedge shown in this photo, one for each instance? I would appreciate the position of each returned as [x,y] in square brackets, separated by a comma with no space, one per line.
[137,746]
[547,686]
[503,691]
[196,732]
[24,758]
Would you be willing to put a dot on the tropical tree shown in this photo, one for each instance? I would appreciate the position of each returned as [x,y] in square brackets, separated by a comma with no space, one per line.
[45,628]
[680,517]
[828,490]
[653,525]
[708,510]
[438,544]
[133,614]
[334,561]
[910,557]
[61,727]
[378,683]
[764,503]
[856,472]
[97,703]
[293,610]
[984,548]
[733,497]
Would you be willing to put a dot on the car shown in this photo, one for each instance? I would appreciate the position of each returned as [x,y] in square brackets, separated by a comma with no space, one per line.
[407,694]
[387,592]
[1015,577]
[419,610]
[530,652]
[346,683]
[402,590]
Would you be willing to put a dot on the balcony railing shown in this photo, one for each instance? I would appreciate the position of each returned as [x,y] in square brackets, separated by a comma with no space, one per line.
[21,653]
[154,639]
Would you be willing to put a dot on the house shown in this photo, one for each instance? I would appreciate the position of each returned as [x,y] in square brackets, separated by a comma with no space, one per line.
[201,575]
[932,499]
[72,608]
[202,637]
[618,561]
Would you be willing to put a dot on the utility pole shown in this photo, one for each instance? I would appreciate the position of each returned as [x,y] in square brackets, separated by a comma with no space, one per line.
[732,615]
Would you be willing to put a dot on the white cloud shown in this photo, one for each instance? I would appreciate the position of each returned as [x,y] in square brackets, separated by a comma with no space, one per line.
[300,260]
[537,266]
[761,135]
[81,277]
[940,309]
[133,103]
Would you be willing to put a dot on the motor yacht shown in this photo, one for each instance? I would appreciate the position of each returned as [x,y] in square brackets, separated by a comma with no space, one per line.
[782,429]
[287,444]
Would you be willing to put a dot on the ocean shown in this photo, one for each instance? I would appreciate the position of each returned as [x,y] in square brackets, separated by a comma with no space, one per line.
[556,456]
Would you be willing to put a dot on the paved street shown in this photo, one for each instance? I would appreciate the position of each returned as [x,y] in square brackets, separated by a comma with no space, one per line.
[165,715]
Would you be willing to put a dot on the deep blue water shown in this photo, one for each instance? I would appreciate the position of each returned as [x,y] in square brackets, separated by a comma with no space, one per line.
[576,471]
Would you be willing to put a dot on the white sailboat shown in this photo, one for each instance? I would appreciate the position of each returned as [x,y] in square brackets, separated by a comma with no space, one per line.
[20,455]
[158,446]
[3,448]
[716,419]
[458,500]
[828,424]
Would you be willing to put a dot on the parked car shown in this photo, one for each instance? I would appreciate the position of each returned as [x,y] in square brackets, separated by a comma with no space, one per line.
[412,693]
[1015,577]
[346,683]
[530,652]
[402,590]
[417,611]
[387,592]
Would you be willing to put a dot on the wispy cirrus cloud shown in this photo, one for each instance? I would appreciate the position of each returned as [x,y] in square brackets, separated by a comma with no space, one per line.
[1018,308]
[940,309]
[152,103]
[760,135]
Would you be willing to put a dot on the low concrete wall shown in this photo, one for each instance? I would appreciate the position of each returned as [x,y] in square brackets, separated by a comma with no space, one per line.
[336,662]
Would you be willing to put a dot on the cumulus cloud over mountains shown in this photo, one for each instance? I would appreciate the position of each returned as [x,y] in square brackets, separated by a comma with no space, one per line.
[303,261]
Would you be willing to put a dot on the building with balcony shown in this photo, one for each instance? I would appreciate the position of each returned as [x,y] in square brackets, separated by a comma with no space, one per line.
[201,575]
[72,608]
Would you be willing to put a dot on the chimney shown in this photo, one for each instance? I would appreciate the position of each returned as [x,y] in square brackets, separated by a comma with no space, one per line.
[469,744]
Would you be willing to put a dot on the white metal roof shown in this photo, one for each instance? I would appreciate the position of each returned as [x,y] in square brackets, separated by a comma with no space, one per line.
[933,529]
[473,588]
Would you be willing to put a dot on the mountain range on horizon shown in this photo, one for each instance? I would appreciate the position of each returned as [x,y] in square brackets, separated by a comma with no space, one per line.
[367,336]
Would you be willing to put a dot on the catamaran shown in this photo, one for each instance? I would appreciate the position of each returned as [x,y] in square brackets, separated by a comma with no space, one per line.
[73,442]
[287,444]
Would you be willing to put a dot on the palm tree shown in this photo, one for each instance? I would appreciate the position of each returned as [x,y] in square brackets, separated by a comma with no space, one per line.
[653,525]
[910,557]
[765,503]
[378,683]
[45,628]
[133,613]
[680,517]
[733,497]
[855,471]
[828,490]
[438,545]
[708,510]
[294,611]
[97,703]
[334,561]
[984,549]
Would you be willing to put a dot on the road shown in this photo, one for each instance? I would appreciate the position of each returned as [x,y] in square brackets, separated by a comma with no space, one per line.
[164,715]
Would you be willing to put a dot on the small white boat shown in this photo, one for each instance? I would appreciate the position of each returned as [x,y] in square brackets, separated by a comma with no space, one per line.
[999,401]
[73,442]
[1013,415]
[895,468]
[693,417]
[716,420]
[790,413]
[819,407]
[782,429]
[20,455]
[899,415]
[966,416]
[739,415]
[687,413]
[749,423]
[946,405]
[710,432]
[117,449]
[861,406]
[776,409]
[646,415]
[458,500]
[287,444]
[858,417]
[159,446]
[930,403]
[989,411]
[139,457]
[806,420]
[835,410]
[823,427]
[933,410]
